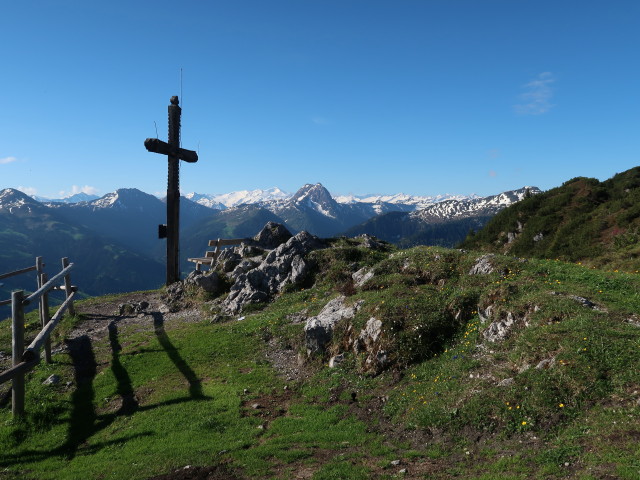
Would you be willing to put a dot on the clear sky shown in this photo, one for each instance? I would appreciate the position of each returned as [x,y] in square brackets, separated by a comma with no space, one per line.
[365,96]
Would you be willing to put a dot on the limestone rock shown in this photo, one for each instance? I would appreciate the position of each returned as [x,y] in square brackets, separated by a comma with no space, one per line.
[483,265]
[228,260]
[371,242]
[243,267]
[272,236]
[209,282]
[362,276]
[284,265]
[369,335]
[132,308]
[319,329]
[245,250]
[546,364]
[499,330]
[336,360]
[52,380]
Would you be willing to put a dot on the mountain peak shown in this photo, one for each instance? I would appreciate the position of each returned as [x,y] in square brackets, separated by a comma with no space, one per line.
[312,190]
[316,197]
[123,198]
[12,199]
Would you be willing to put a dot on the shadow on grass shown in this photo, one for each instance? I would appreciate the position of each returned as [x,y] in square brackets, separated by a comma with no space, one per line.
[124,388]
[195,387]
[84,421]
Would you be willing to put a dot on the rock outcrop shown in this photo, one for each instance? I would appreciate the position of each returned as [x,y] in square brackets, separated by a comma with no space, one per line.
[318,330]
[284,265]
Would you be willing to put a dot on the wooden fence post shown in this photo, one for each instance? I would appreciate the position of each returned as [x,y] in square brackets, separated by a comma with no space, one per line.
[39,270]
[44,317]
[17,345]
[67,285]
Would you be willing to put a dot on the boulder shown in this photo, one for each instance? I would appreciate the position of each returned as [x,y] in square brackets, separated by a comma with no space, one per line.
[369,241]
[336,360]
[245,250]
[243,267]
[272,236]
[209,282]
[228,260]
[499,330]
[362,276]
[284,265]
[483,265]
[369,335]
[318,330]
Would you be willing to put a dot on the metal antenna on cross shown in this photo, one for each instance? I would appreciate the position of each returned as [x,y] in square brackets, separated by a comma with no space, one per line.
[175,154]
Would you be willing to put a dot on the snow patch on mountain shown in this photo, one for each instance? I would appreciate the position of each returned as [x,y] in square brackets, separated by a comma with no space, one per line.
[220,201]
[491,205]
[13,200]
[416,201]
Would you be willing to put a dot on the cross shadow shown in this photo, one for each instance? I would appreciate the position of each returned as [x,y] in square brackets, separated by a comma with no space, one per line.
[195,386]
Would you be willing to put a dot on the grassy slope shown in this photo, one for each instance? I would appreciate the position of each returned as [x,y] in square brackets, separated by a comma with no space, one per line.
[439,409]
[583,220]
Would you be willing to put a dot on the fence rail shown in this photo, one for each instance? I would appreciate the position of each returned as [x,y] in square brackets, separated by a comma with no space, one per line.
[23,360]
[37,267]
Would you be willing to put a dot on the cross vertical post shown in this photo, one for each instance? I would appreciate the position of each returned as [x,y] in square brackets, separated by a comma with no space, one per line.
[173,196]
[175,154]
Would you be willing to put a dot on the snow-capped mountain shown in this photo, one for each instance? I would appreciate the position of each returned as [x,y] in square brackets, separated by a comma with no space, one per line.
[444,223]
[12,201]
[220,201]
[400,199]
[449,209]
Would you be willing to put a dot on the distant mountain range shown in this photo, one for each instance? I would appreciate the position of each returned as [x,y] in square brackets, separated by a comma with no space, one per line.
[78,197]
[113,239]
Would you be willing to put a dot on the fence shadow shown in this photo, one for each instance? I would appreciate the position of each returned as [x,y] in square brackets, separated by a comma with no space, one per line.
[83,414]
[84,421]
[195,386]
[124,387]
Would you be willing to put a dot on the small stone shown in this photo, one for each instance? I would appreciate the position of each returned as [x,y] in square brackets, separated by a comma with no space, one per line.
[260,427]
[395,462]
[506,382]
[336,360]
[52,380]
[256,406]
[402,471]
[245,391]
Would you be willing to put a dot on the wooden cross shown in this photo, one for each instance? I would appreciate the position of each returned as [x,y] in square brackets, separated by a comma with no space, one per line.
[175,154]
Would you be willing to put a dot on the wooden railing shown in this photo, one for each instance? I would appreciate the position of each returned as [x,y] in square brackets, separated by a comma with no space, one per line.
[37,267]
[24,359]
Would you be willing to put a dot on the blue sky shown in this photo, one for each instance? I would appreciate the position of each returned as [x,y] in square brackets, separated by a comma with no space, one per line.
[365,96]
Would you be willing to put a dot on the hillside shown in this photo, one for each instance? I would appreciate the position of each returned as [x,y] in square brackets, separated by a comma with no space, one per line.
[28,228]
[440,364]
[584,220]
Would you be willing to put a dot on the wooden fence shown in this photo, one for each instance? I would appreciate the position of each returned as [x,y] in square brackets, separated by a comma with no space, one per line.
[23,360]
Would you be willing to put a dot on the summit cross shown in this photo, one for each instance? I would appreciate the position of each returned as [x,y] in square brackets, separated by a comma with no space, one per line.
[175,154]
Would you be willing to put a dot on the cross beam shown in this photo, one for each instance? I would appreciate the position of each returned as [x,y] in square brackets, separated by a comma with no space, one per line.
[175,154]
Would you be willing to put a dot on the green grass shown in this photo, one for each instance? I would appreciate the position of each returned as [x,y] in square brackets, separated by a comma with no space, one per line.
[153,400]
